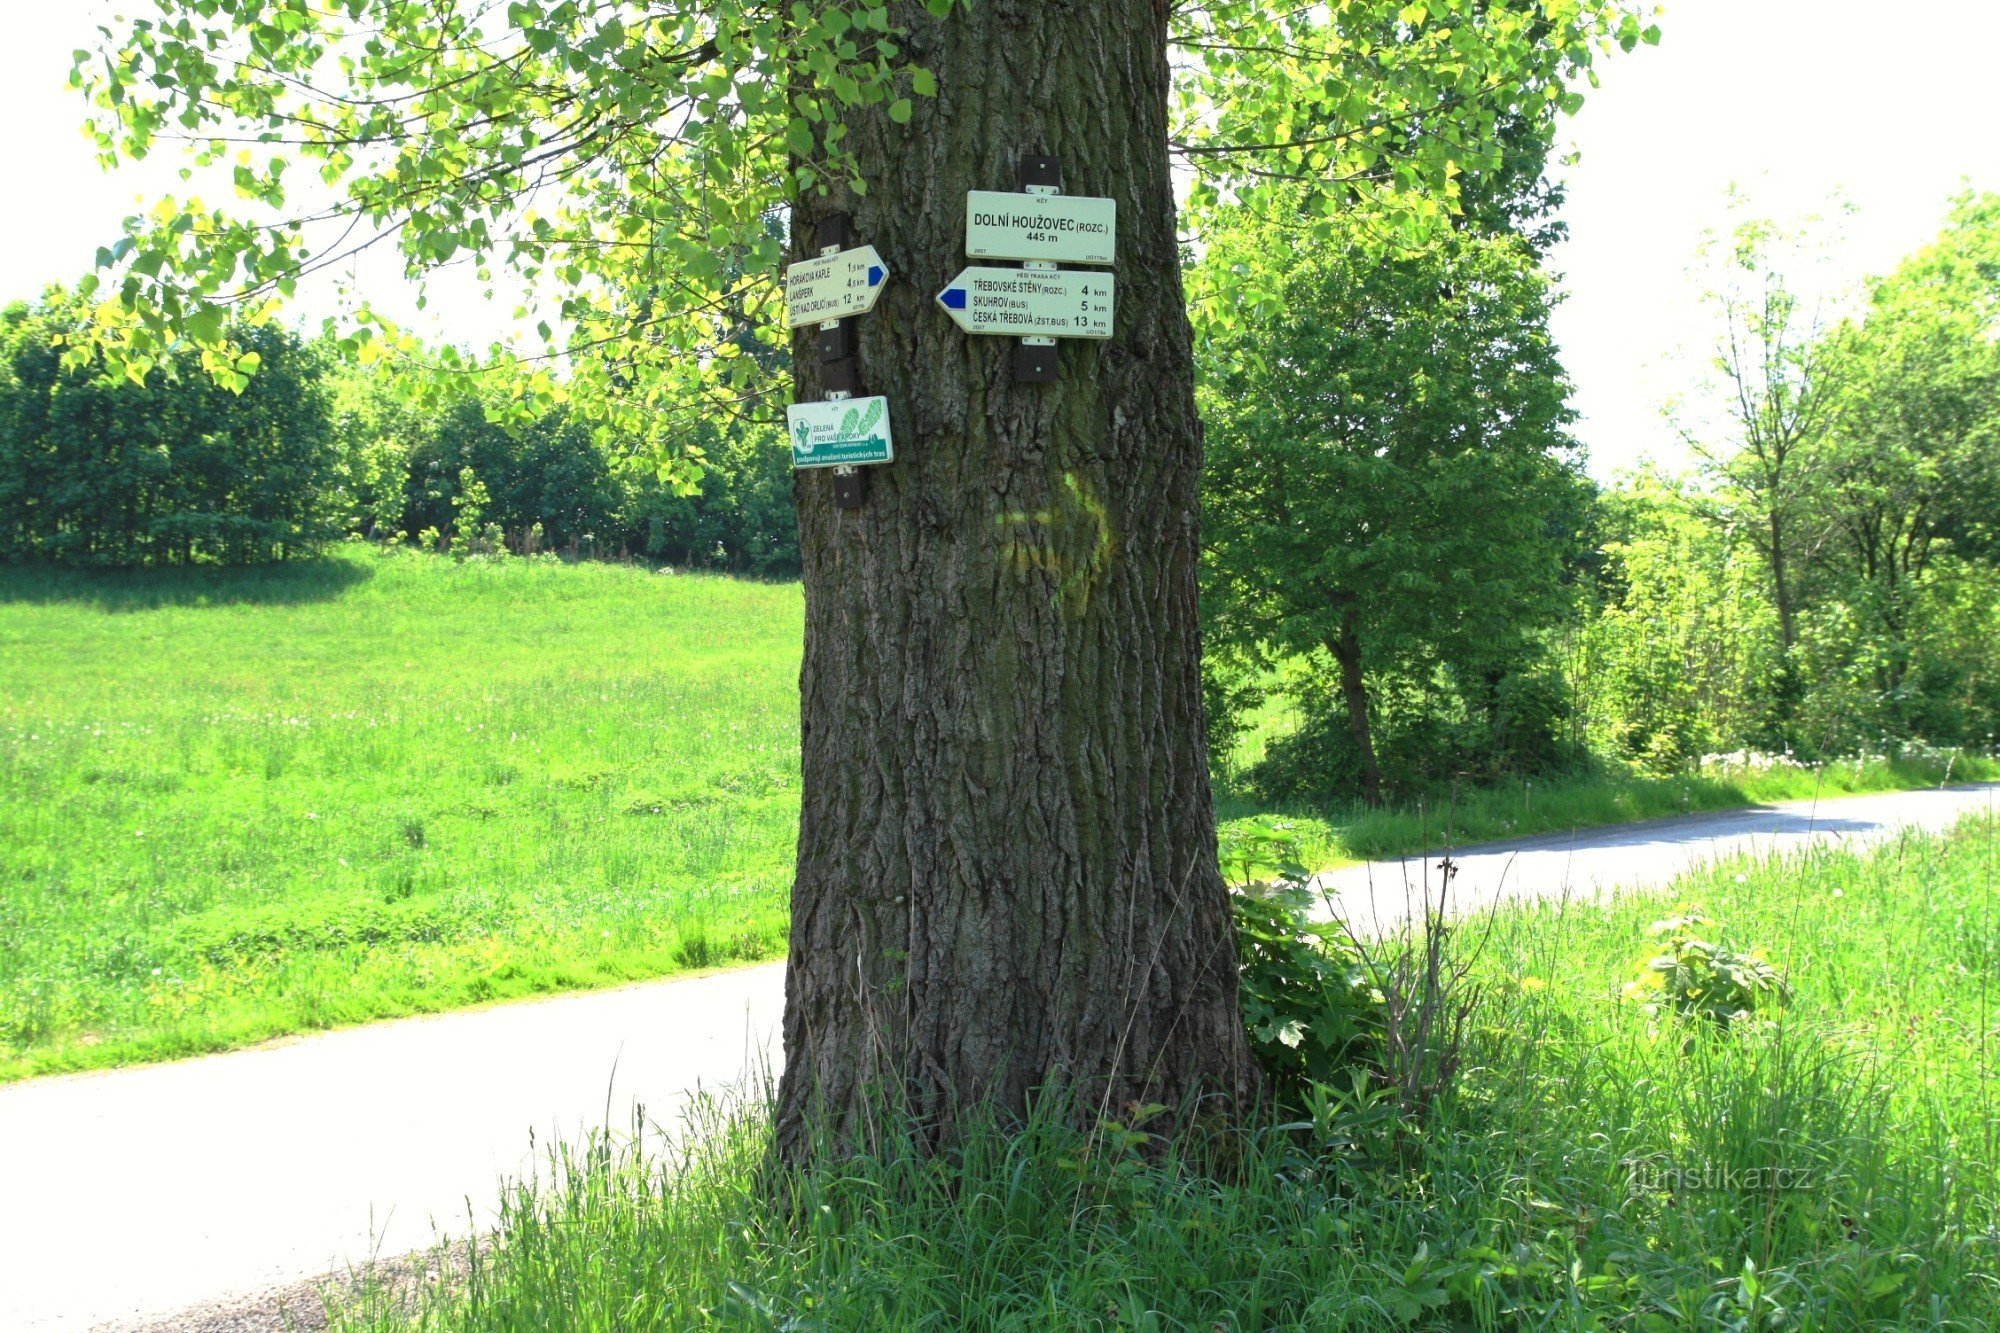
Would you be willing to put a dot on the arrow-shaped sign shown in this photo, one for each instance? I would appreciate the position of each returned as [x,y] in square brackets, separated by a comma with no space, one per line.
[834,286]
[1030,303]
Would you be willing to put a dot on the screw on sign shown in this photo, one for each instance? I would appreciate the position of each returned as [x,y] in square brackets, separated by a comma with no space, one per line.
[1029,303]
[836,286]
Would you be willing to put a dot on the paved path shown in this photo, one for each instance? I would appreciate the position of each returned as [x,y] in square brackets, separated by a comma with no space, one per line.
[1593,862]
[137,1193]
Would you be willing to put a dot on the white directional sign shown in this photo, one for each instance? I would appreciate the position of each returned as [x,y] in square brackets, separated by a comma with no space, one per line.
[834,287]
[842,432]
[1058,228]
[1030,303]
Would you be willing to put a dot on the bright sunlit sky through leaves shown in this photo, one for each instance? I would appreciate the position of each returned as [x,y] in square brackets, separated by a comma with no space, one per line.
[1792,99]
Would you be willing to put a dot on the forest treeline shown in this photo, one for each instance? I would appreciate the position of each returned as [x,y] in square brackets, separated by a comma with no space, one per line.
[179,468]
[1403,548]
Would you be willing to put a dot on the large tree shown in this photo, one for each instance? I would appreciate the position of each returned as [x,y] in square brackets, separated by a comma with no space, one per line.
[1909,474]
[1780,379]
[1007,871]
[1390,469]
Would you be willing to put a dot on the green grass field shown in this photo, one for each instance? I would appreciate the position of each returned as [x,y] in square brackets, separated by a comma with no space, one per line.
[239,804]
[1833,1163]
[234,805]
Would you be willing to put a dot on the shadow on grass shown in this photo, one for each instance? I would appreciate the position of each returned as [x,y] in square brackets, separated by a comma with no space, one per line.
[292,582]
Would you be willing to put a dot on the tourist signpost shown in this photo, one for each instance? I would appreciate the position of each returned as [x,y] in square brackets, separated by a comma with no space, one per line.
[1038,228]
[835,286]
[841,432]
[1038,303]
[1047,228]
[1030,303]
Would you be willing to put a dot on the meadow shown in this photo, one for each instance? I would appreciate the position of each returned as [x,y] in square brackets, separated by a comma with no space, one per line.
[1826,1161]
[237,804]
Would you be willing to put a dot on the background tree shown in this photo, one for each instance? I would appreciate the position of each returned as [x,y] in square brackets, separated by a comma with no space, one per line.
[166,466]
[1389,474]
[1007,872]
[1780,386]
[1893,596]
[1909,484]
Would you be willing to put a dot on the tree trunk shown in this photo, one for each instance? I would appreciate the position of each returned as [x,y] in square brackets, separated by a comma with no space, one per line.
[1781,589]
[1346,650]
[1006,876]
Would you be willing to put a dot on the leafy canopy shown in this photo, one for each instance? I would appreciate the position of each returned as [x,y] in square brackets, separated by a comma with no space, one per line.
[625,161]
[1388,446]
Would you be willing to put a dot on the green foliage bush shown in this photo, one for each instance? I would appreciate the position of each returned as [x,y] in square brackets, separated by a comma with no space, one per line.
[740,517]
[1696,975]
[549,474]
[551,485]
[104,471]
[1427,740]
[1311,1010]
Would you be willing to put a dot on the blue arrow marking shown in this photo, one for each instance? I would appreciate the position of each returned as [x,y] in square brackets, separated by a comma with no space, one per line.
[953,298]
[875,275]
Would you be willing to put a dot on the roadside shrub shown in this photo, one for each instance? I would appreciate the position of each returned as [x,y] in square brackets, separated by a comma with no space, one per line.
[1694,975]
[1429,736]
[1307,1001]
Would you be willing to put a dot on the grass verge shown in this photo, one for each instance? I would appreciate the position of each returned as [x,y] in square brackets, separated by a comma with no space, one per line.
[1597,1167]
[1521,808]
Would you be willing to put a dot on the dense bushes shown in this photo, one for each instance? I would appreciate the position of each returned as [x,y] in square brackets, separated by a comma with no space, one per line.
[1427,739]
[552,486]
[102,471]
[1680,656]
[549,475]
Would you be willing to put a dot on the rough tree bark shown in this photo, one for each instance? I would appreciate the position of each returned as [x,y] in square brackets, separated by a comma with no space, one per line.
[1006,874]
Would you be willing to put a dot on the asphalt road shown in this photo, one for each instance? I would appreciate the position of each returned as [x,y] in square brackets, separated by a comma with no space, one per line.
[131,1195]
[1593,862]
